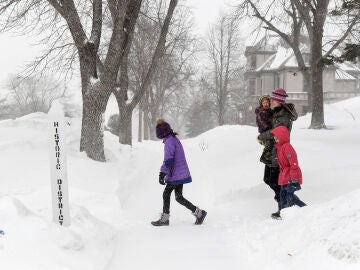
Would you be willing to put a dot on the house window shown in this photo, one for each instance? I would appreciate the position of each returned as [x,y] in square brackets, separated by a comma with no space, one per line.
[251,87]
[253,61]
[277,81]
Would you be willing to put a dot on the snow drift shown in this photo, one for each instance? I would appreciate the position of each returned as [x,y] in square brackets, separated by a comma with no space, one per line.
[112,203]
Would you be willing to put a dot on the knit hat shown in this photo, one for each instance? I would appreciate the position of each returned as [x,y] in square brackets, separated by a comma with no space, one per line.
[279,95]
[261,99]
[163,129]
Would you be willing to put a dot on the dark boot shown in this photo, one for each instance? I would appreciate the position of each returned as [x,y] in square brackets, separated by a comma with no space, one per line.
[163,221]
[276,215]
[200,216]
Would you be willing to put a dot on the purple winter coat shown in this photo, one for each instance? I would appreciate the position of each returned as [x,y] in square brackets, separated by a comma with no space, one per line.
[174,165]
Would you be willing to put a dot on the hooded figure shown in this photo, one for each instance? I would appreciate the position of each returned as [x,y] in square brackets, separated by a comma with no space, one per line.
[286,157]
[174,165]
[290,177]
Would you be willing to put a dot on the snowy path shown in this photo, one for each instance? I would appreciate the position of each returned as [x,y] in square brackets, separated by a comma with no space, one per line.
[182,245]
[243,238]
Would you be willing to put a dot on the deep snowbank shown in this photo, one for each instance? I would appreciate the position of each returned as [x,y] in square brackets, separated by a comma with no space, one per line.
[112,203]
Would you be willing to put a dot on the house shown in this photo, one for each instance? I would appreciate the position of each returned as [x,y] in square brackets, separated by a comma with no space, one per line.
[270,64]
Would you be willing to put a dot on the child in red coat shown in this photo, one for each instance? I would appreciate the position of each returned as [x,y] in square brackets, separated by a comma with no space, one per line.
[290,177]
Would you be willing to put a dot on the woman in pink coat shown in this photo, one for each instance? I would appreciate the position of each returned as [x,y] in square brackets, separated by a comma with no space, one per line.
[290,177]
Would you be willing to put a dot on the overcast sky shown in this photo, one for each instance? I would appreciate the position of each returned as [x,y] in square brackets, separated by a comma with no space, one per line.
[16,51]
[206,12]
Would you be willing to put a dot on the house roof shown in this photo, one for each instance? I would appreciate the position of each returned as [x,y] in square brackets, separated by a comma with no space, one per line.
[266,64]
[284,57]
[349,67]
[343,75]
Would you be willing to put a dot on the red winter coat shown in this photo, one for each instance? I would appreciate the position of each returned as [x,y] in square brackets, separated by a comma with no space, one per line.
[286,157]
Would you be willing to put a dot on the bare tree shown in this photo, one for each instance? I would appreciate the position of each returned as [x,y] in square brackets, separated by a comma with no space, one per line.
[223,48]
[313,15]
[290,33]
[4,108]
[32,94]
[126,107]
[200,114]
[84,22]
[167,94]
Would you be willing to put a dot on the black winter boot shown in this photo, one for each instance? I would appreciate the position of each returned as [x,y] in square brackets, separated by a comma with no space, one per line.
[163,221]
[276,215]
[200,216]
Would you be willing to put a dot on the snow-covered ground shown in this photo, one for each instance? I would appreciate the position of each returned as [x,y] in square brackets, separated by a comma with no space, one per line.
[112,203]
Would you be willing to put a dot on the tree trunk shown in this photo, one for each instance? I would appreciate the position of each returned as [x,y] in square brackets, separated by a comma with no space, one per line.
[152,120]
[152,131]
[307,87]
[146,125]
[125,118]
[95,98]
[140,125]
[159,52]
[221,116]
[82,136]
[317,120]
[125,125]
[146,116]
[92,132]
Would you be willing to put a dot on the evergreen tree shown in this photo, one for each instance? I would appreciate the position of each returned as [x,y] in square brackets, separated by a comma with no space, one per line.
[200,118]
[351,50]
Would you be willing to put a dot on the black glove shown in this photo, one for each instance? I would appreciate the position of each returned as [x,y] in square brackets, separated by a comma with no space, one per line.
[162,178]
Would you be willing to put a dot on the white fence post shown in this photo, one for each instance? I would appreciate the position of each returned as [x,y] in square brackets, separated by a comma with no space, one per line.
[58,169]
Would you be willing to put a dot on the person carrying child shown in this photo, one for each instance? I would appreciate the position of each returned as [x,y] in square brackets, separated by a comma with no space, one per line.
[283,115]
[290,176]
[174,173]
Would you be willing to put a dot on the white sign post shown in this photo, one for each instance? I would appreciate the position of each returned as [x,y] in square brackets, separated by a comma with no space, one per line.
[58,170]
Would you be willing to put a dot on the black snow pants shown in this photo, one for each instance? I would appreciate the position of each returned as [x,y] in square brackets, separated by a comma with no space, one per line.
[178,197]
[271,175]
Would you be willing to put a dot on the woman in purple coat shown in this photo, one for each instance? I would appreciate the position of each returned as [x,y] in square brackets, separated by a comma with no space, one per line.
[174,172]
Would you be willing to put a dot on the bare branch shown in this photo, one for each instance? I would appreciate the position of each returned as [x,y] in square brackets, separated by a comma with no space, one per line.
[159,51]
[97,24]
[354,21]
